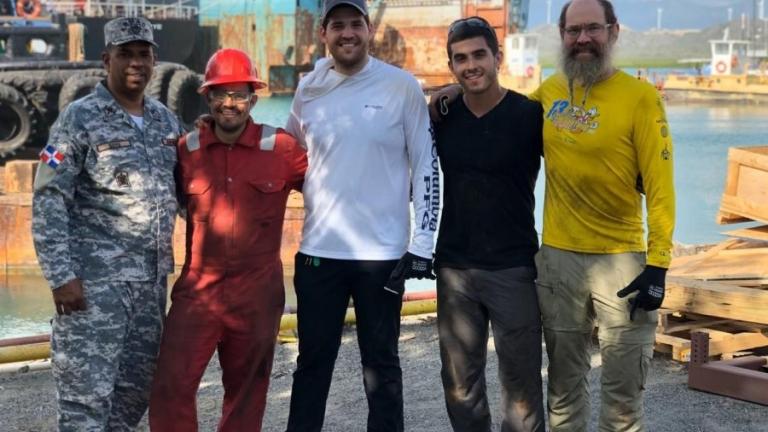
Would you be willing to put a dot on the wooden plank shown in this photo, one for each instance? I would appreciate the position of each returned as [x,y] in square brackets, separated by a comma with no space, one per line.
[673,340]
[739,325]
[749,209]
[681,263]
[752,185]
[725,218]
[755,233]
[745,192]
[716,335]
[737,342]
[726,264]
[674,328]
[732,175]
[679,348]
[716,299]
[759,249]
[756,157]
[663,323]
[747,283]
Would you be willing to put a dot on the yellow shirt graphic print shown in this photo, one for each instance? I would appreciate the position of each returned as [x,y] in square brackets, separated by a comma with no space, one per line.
[575,119]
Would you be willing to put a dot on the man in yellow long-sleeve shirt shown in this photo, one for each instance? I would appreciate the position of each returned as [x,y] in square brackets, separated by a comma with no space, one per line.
[606,144]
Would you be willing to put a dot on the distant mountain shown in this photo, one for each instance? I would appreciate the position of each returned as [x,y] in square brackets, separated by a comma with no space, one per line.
[676,14]
[652,47]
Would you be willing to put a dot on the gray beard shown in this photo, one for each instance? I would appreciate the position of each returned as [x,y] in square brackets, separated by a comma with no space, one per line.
[585,73]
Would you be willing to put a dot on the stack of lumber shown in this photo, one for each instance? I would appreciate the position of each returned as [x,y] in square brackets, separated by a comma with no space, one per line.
[724,290]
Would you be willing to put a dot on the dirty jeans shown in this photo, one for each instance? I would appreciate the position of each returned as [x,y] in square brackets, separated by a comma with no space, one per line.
[577,290]
[467,300]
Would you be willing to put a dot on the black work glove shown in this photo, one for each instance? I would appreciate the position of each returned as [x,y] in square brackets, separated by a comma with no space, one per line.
[410,266]
[650,289]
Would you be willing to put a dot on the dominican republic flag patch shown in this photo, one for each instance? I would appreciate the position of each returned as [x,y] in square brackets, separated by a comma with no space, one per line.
[51,157]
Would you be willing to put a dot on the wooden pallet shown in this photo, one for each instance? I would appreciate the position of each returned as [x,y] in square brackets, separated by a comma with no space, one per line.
[726,337]
[746,195]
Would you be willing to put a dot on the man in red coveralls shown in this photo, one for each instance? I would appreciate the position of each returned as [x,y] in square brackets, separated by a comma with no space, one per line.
[234,179]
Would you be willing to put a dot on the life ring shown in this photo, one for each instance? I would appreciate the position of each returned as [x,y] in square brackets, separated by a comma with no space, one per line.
[28,8]
[529,71]
[720,67]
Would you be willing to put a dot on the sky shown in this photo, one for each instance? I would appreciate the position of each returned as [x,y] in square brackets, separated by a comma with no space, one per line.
[642,14]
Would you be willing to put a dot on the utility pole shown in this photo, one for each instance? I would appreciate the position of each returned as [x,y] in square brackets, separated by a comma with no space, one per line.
[743,26]
[753,30]
[659,12]
[549,12]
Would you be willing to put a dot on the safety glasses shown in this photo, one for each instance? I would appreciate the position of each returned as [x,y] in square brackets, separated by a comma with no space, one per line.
[237,97]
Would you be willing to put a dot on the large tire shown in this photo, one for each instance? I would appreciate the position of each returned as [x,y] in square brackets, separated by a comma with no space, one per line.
[183,98]
[41,90]
[39,87]
[99,72]
[17,120]
[161,79]
[76,87]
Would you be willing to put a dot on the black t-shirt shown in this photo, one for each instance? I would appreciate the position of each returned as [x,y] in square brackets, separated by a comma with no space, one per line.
[490,165]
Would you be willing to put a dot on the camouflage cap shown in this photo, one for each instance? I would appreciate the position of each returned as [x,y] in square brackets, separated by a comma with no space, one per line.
[128,29]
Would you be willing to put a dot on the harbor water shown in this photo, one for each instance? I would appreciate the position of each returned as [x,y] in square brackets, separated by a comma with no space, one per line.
[702,135]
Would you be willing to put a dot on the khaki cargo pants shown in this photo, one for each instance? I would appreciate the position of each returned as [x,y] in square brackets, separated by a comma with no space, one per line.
[577,291]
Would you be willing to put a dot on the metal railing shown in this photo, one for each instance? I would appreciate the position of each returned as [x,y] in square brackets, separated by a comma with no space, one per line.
[118,8]
[374,4]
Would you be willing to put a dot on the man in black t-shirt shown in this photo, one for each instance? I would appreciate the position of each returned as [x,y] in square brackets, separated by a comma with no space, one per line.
[487,239]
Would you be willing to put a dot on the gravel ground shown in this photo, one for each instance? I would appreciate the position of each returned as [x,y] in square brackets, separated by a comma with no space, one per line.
[27,399]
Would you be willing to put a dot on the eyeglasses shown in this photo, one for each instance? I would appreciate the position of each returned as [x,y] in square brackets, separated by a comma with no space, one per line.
[237,97]
[592,30]
[470,22]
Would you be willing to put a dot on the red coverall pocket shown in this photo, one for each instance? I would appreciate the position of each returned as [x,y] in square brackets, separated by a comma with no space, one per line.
[265,212]
[199,199]
[268,202]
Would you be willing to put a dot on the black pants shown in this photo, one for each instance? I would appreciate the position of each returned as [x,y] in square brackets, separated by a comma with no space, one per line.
[466,301]
[323,288]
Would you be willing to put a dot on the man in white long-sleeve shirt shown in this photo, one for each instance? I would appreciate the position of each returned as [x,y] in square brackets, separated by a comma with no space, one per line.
[366,128]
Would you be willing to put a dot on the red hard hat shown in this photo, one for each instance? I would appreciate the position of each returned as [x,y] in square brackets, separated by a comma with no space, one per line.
[228,66]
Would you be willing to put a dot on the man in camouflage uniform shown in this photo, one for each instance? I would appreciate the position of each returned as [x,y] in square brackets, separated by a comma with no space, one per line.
[103,215]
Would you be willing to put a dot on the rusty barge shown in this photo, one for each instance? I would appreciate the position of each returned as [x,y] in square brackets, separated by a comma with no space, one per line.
[281,36]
